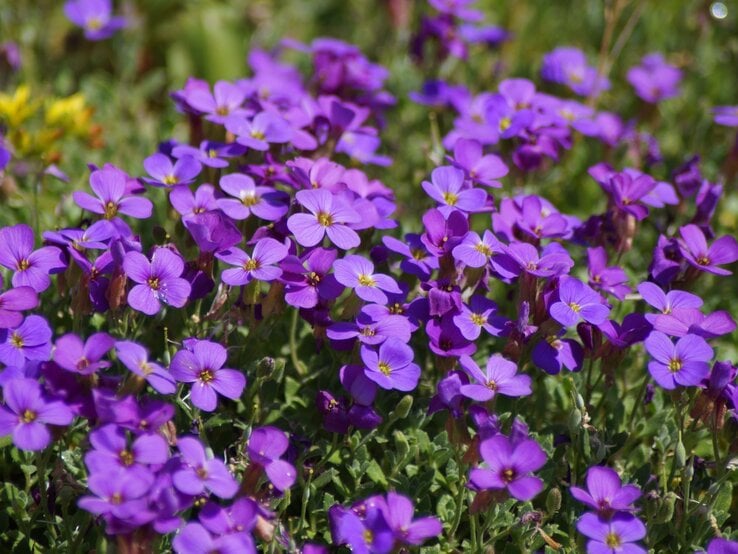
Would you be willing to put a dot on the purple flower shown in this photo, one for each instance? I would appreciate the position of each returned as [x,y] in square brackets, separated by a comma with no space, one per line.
[722,546]
[30,267]
[655,80]
[667,302]
[611,279]
[443,232]
[374,324]
[477,252]
[111,449]
[188,204]
[605,492]
[261,265]
[13,302]
[447,188]
[266,446]
[80,357]
[551,261]
[264,129]
[391,366]
[726,115]
[500,377]
[416,258]
[263,202]
[685,321]
[693,247]
[398,513]
[158,280]
[613,536]
[27,412]
[95,17]
[210,153]
[136,359]
[568,66]
[31,340]
[485,170]
[478,315]
[118,492]
[357,273]
[196,539]
[308,280]
[685,363]
[509,463]
[199,474]
[111,197]
[226,99]
[327,216]
[553,353]
[578,302]
[369,534]
[203,366]
[164,173]
[446,340]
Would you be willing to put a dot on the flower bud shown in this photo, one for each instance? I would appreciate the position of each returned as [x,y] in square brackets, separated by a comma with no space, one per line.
[553,501]
[402,409]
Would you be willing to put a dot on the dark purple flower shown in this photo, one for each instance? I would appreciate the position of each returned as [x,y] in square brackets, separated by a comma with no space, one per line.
[500,377]
[693,247]
[553,353]
[308,279]
[446,340]
[391,365]
[612,279]
[80,357]
[27,412]
[685,363]
[261,265]
[203,367]
[157,280]
[30,267]
[398,513]
[199,474]
[578,302]
[443,232]
[164,173]
[416,258]
[357,273]
[448,394]
[266,447]
[136,359]
[605,492]
[613,536]
[111,197]
[509,464]
[369,534]
[95,17]
[327,216]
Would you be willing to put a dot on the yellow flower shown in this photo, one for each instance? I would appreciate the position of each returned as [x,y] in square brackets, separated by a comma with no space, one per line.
[70,114]
[18,107]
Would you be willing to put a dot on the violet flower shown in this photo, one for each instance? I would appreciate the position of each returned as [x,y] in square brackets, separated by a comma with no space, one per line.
[478,315]
[136,359]
[693,247]
[261,265]
[193,538]
[327,217]
[27,412]
[578,302]
[119,493]
[264,202]
[307,280]
[398,513]
[95,17]
[485,170]
[84,358]
[667,302]
[111,197]
[198,473]
[157,280]
[30,267]
[13,302]
[203,367]
[111,449]
[726,115]
[31,340]
[164,173]
[685,363]
[266,447]
[655,80]
[258,133]
[226,99]
[391,365]
[613,536]
[605,492]
[500,377]
[357,273]
[447,188]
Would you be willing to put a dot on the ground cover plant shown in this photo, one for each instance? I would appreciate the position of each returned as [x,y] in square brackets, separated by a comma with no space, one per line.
[443,276]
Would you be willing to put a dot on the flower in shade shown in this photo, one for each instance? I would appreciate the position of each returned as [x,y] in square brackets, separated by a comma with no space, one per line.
[196,539]
[398,513]
[263,202]
[685,363]
[266,447]
[199,474]
[726,115]
[510,463]
[722,546]
[357,273]
[157,280]
[111,449]
[655,79]
[260,265]
[613,536]
[203,367]
[136,359]
[391,366]
[416,258]
[27,412]
[693,247]
[469,157]
[164,173]
[368,534]
[258,133]
[80,357]
[308,279]
[327,217]
[568,66]
[612,279]
[605,492]
[13,302]
[447,188]
[577,302]
[31,268]
[111,198]
[553,353]
[500,377]
[31,340]
[95,17]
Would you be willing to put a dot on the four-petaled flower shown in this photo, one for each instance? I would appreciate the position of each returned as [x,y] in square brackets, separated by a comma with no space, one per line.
[157,280]
[327,217]
[357,273]
[685,363]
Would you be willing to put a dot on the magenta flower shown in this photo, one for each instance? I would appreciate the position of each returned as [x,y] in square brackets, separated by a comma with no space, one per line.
[84,358]
[447,188]
[111,198]
[327,217]
[685,363]
[189,204]
[260,266]
[203,366]
[509,464]
[27,412]
[693,247]
[391,366]
[612,279]
[136,359]
[578,302]
[158,280]
[31,268]
[605,492]
[264,129]
[613,536]
[164,173]
[199,474]
[357,273]
[500,377]
[31,340]
[95,17]
[266,447]
[264,202]
[13,302]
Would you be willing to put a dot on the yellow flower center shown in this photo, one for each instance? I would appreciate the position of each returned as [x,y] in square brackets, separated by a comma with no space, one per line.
[222,110]
[170,180]
[368,536]
[367,281]
[117,498]
[491,385]
[326,220]
[483,249]
[202,473]
[145,368]
[29,416]
[16,340]
[153,283]
[613,540]
[508,475]
[212,153]
[251,265]
[126,457]
[250,199]
[94,23]
[450,198]
[111,210]
[368,332]
[23,265]
[675,364]
[505,123]
[384,368]
[478,319]
[258,135]
[206,375]
[313,278]
[575,307]
[703,260]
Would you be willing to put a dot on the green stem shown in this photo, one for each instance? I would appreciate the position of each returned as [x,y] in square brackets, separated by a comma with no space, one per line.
[299,366]
[41,460]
